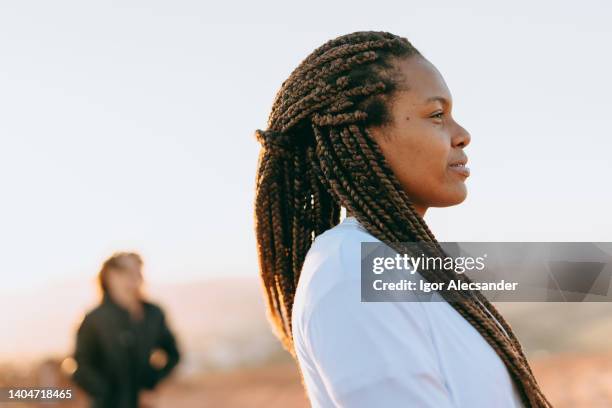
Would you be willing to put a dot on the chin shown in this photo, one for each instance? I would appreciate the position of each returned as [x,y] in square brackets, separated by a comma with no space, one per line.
[454,197]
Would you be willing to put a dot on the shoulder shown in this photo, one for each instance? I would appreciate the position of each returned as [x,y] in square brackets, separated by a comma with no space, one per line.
[330,281]
[332,260]
[357,344]
[338,251]
[97,313]
[93,318]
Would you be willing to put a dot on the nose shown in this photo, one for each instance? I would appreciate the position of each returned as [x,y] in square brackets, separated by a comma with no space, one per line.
[461,137]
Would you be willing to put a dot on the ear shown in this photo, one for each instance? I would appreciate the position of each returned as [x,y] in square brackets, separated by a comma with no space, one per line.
[380,134]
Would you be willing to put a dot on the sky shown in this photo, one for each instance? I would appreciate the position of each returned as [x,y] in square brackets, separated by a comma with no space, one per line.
[129,125]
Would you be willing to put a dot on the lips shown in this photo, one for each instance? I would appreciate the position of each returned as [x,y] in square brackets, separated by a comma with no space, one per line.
[461,162]
[460,167]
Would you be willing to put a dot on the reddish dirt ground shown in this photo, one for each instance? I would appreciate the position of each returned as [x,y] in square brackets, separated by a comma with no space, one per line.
[576,380]
[568,380]
[270,387]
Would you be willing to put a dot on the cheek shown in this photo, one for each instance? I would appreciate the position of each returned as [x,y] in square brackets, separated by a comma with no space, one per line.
[417,160]
[420,164]
[134,282]
[117,285]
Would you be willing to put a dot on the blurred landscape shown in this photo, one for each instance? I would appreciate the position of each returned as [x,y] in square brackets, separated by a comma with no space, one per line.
[231,359]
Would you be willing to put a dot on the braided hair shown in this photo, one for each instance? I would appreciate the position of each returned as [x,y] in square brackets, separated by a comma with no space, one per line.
[318,156]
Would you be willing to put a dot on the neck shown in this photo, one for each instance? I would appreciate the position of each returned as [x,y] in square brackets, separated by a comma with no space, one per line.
[420,209]
[132,304]
[125,301]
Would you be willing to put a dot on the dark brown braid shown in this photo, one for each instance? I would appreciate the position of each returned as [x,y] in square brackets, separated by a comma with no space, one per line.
[319,156]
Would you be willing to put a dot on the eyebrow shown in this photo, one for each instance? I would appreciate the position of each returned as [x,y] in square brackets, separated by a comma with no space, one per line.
[440,99]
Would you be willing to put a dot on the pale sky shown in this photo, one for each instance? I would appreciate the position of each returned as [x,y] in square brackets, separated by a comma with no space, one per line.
[129,125]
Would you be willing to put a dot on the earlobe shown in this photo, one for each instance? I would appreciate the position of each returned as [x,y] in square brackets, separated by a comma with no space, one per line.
[374,131]
[379,134]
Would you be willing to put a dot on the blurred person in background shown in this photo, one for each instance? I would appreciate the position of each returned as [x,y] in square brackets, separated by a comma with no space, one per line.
[124,347]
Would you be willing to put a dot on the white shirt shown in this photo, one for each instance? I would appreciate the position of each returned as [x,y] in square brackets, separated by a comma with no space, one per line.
[386,354]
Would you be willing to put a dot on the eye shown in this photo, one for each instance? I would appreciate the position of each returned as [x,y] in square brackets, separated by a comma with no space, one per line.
[437,115]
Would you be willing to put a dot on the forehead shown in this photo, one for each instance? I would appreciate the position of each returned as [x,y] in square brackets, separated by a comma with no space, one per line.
[128,262]
[422,81]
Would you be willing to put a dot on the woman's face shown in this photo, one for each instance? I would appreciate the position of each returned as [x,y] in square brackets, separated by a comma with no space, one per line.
[125,283]
[422,143]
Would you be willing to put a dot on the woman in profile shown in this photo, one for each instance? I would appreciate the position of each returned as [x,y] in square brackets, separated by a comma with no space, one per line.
[364,123]
[123,347]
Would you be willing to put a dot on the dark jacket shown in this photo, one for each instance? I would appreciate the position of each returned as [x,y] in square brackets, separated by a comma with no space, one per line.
[113,353]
